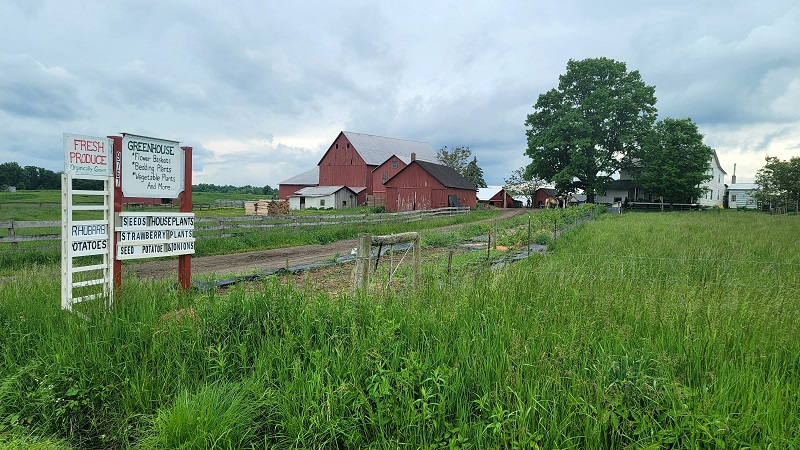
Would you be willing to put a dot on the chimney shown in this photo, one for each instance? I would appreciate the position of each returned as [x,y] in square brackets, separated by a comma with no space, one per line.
[733,177]
[413,156]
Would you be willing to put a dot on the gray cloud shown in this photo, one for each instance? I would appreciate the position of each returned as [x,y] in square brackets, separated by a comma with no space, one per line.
[30,89]
[261,89]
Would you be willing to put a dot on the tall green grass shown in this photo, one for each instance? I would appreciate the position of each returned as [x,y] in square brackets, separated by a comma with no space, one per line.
[629,336]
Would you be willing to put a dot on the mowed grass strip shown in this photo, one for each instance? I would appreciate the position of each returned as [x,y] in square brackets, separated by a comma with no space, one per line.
[640,331]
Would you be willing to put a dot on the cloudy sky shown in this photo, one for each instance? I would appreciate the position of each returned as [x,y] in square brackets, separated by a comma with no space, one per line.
[260,89]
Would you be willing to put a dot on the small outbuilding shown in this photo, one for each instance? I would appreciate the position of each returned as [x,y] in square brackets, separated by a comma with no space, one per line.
[740,195]
[323,197]
[427,185]
[541,196]
[495,196]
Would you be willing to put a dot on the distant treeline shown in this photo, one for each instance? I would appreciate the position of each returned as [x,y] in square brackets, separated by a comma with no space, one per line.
[228,189]
[34,178]
[28,177]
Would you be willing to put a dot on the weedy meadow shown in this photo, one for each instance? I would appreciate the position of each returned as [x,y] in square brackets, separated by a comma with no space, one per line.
[641,330]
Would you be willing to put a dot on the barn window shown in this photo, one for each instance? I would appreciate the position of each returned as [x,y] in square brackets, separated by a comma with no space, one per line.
[322,202]
[394,164]
[384,177]
[733,197]
[348,145]
[337,146]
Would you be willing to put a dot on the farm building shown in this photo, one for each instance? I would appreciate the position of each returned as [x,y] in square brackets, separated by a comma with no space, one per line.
[740,195]
[387,170]
[426,185]
[625,189]
[542,194]
[352,157]
[287,188]
[715,187]
[353,160]
[495,196]
[323,197]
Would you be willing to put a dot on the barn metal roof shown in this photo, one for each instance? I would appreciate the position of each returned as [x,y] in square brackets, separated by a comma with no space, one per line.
[307,178]
[448,176]
[374,150]
[486,194]
[320,191]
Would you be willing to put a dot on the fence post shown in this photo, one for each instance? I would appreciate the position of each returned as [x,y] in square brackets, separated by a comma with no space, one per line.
[529,235]
[221,224]
[12,234]
[417,258]
[362,262]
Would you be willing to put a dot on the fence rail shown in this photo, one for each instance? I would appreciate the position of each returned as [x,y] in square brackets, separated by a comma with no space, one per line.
[208,227]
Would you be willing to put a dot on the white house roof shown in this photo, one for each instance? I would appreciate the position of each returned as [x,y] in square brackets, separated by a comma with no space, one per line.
[375,150]
[719,166]
[486,194]
[742,187]
[308,177]
[319,191]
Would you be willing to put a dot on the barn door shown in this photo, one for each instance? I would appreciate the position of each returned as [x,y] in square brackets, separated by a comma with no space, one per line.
[452,201]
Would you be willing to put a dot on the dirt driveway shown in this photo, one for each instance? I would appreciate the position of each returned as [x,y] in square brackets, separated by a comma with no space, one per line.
[263,260]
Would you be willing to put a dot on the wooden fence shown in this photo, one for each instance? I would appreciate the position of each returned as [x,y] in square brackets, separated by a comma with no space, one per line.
[16,232]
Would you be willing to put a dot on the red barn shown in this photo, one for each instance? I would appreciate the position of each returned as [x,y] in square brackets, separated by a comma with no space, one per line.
[387,170]
[497,197]
[426,185]
[352,157]
[542,194]
[287,188]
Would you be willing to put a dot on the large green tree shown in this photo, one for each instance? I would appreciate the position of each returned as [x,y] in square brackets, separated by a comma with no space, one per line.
[474,173]
[672,162]
[779,182]
[581,131]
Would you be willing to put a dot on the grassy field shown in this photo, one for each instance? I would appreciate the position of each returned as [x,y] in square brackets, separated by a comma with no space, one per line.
[657,330]
[45,206]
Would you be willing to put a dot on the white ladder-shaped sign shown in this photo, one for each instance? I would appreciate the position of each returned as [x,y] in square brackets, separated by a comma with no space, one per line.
[82,238]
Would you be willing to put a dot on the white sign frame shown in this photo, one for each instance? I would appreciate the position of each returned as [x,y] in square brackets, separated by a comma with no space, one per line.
[151,167]
[154,234]
[84,238]
[83,154]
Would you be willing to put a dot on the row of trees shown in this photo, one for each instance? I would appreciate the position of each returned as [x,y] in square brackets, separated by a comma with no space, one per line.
[601,119]
[37,178]
[28,177]
[229,189]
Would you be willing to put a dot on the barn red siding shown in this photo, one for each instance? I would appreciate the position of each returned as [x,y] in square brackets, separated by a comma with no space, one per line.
[343,166]
[414,188]
[539,197]
[378,189]
[497,200]
[287,190]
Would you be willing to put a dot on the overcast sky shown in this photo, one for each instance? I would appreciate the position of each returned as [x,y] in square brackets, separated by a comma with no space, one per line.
[260,89]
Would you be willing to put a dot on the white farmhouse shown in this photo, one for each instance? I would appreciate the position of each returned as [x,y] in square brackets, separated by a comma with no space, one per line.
[715,187]
[626,189]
